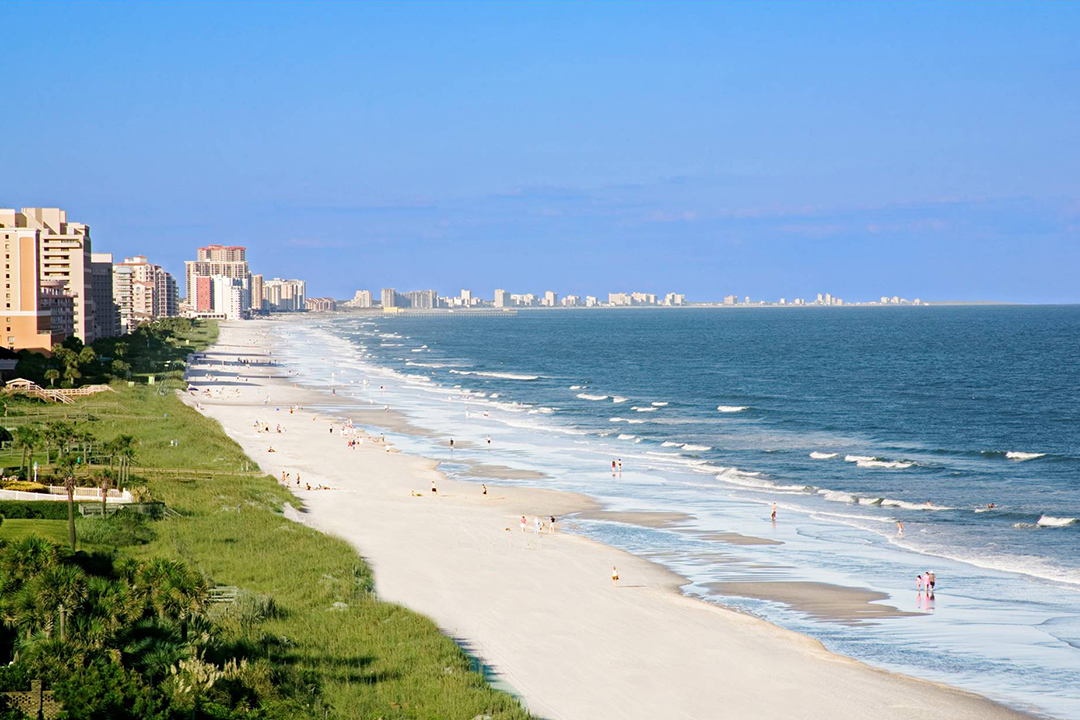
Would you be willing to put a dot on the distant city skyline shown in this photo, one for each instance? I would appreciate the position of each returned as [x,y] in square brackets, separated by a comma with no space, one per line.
[713,148]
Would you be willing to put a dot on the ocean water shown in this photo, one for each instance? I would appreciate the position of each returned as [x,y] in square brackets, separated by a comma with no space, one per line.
[849,419]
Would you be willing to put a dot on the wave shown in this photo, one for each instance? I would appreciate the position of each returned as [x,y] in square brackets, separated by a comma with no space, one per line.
[852,499]
[576,387]
[668,443]
[1048,521]
[888,464]
[696,448]
[643,409]
[617,419]
[659,404]
[624,436]
[417,350]
[822,456]
[618,399]
[500,375]
[1016,455]
[635,422]
[425,365]
[587,396]
[731,408]
[858,458]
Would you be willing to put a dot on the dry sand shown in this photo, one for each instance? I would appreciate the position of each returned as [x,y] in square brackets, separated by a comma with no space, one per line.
[541,609]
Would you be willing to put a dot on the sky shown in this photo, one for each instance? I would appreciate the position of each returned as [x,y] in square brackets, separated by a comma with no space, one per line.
[773,150]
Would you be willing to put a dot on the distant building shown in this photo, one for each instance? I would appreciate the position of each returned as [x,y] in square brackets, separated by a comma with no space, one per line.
[730,300]
[389,298]
[422,299]
[618,299]
[143,292]
[226,260]
[674,299]
[320,304]
[502,299]
[591,301]
[257,293]
[106,312]
[228,297]
[284,295]
[571,301]
[551,299]
[362,299]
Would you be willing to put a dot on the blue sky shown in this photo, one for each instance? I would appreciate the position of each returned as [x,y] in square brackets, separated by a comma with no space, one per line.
[766,149]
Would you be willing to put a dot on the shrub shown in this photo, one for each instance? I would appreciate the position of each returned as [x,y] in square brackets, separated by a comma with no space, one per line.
[120,529]
[34,510]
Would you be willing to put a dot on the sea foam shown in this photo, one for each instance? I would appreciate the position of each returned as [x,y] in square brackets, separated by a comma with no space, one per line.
[731,408]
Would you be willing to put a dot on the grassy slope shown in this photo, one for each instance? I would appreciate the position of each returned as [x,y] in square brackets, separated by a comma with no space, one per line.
[375,659]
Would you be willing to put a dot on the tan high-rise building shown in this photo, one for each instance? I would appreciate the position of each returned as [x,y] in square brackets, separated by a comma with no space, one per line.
[63,255]
[225,260]
[143,292]
[35,316]
[257,293]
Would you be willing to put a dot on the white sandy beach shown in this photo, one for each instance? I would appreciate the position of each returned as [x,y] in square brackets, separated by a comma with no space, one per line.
[542,609]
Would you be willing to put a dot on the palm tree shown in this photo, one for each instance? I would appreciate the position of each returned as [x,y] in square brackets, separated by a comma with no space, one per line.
[60,590]
[174,592]
[26,437]
[54,434]
[67,464]
[52,375]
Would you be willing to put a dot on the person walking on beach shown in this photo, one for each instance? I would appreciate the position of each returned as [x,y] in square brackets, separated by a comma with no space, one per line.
[899,528]
[451,444]
[524,522]
[612,467]
[552,526]
[434,490]
[774,512]
[537,525]
[614,576]
[931,581]
[919,583]
[485,488]
[620,466]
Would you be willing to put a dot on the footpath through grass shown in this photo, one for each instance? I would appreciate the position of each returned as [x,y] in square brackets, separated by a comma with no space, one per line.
[305,600]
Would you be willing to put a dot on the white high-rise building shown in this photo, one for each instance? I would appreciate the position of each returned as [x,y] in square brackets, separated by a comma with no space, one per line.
[502,299]
[551,299]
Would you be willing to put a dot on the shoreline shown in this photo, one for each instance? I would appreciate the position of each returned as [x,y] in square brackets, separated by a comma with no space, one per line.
[540,609]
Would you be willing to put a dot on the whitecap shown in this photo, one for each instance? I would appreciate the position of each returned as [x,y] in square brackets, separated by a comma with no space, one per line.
[696,448]
[1017,455]
[587,396]
[731,408]
[888,464]
[858,458]
[1049,521]
[659,404]
[624,436]
[644,409]
[499,375]
[668,443]
[822,456]
[618,399]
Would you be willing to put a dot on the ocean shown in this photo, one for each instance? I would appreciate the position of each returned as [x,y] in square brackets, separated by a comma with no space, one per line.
[849,419]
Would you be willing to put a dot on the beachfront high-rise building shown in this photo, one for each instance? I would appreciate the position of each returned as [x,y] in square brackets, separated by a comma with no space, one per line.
[421,299]
[106,313]
[227,260]
[571,301]
[389,298]
[502,299]
[228,297]
[37,315]
[591,301]
[674,299]
[64,256]
[257,293]
[362,299]
[320,304]
[144,292]
[551,299]
[284,295]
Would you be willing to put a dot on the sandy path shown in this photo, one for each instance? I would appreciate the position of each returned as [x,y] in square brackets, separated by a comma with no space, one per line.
[542,609]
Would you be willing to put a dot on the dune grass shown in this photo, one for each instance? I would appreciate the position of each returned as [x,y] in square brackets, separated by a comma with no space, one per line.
[361,657]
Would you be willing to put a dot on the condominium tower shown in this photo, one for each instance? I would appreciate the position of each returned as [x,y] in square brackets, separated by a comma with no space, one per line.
[143,292]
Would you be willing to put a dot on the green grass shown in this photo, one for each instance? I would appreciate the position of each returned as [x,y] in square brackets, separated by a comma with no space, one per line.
[52,530]
[372,659]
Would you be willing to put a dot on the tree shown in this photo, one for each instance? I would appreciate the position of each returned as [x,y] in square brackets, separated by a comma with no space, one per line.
[56,434]
[60,589]
[26,438]
[121,369]
[67,464]
[52,375]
